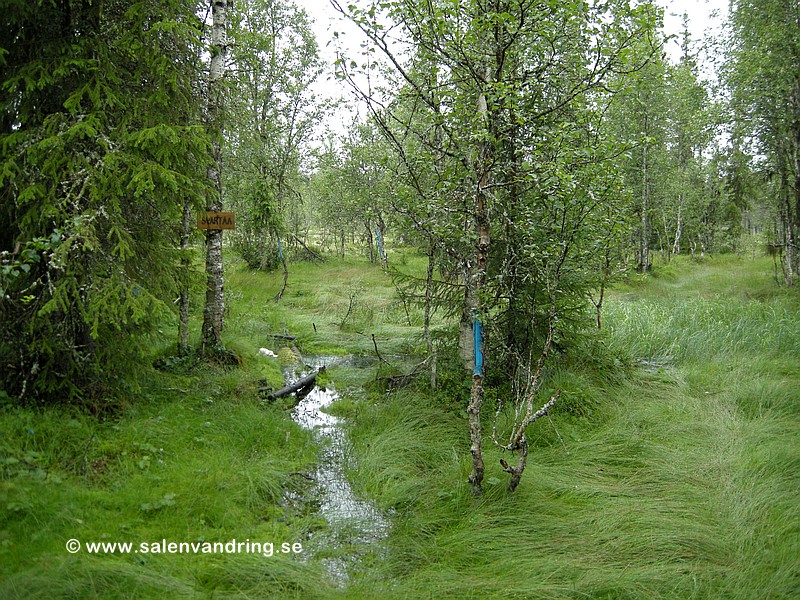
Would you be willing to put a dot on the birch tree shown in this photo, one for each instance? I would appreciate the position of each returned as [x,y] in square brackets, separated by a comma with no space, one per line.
[214,311]
[639,120]
[271,116]
[516,94]
[689,130]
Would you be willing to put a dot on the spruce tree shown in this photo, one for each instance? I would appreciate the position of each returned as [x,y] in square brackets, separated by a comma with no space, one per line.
[98,153]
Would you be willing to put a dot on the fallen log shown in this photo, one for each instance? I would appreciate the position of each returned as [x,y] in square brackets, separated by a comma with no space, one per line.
[300,384]
[282,336]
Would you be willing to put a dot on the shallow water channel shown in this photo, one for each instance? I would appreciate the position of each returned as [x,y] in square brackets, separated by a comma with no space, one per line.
[356,527]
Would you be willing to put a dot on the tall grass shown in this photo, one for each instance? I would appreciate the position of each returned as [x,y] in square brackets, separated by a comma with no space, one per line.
[677,478]
[333,307]
[699,328]
[194,464]
[682,484]
[196,455]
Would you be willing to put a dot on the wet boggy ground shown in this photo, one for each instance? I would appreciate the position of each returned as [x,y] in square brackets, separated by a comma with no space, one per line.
[355,527]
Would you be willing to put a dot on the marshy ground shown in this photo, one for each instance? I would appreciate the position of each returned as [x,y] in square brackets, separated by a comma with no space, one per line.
[670,470]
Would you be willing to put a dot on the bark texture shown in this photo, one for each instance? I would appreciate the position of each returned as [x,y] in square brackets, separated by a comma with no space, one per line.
[427,314]
[477,286]
[298,386]
[214,312]
[183,302]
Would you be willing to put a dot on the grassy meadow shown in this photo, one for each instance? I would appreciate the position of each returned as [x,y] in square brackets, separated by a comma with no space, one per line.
[669,469]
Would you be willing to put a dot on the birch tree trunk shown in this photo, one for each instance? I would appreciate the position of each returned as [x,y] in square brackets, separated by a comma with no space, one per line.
[370,246]
[795,163]
[478,283]
[788,232]
[382,243]
[183,303]
[213,314]
[676,244]
[644,259]
[427,313]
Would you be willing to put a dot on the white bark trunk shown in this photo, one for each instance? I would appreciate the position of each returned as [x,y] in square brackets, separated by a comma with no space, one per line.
[183,307]
[644,258]
[477,285]
[213,315]
[676,245]
[427,314]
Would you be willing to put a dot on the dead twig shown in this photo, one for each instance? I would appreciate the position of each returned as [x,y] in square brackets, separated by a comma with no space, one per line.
[378,354]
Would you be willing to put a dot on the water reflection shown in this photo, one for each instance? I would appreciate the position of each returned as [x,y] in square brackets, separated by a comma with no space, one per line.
[353,523]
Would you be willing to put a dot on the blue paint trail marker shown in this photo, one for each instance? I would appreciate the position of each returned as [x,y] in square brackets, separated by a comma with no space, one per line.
[477,330]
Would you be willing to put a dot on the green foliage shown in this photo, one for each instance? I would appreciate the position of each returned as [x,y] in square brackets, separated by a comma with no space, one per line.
[196,459]
[722,325]
[270,115]
[761,54]
[98,155]
[541,164]
[351,194]
[675,477]
[682,201]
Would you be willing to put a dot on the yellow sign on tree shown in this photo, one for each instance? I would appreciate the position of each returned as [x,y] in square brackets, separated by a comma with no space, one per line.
[216,220]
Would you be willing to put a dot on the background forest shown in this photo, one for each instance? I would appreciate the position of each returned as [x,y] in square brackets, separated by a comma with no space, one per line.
[491,218]
[535,153]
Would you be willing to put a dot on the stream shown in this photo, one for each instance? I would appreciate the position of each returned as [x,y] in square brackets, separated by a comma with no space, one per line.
[354,523]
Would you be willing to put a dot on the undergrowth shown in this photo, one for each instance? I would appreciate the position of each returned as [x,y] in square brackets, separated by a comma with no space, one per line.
[669,468]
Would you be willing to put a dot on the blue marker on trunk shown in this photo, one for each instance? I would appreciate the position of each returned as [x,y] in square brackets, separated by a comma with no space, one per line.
[477,330]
